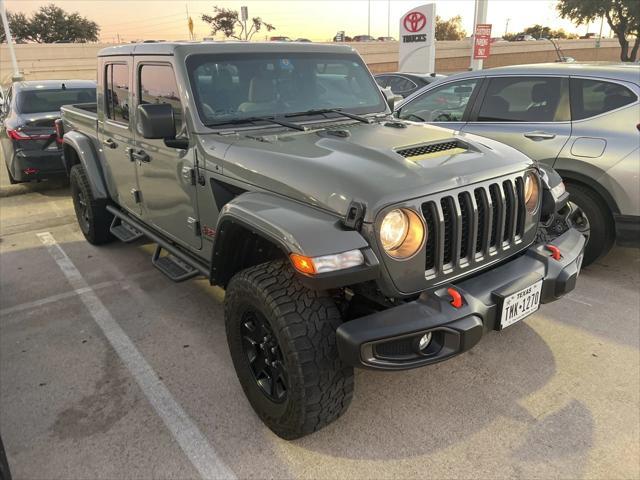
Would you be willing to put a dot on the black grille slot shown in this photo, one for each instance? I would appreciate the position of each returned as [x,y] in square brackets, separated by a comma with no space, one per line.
[465,208]
[521,207]
[482,217]
[472,226]
[494,207]
[429,217]
[510,216]
[425,149]
[449,219]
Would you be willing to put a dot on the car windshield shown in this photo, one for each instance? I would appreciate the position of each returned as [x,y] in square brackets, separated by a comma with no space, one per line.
[50,100]
[229,88]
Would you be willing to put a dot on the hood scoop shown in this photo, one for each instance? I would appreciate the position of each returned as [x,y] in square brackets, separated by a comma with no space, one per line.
[430,150]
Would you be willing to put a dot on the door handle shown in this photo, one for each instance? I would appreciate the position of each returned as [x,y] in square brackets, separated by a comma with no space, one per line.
[109,143]
[140,156]
[540,135]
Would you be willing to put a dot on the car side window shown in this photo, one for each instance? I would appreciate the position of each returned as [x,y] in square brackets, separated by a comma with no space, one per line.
[446,103]
[158,85]
[525,99]
[593,97]
[117,92]
[400,84]
[382,80]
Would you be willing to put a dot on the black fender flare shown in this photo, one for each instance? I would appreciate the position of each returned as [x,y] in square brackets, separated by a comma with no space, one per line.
[293,227]
[84,148]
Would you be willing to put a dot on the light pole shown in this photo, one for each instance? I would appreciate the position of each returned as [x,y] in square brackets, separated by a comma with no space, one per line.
[506,27]
[17,76]
[480,16]
[369,18]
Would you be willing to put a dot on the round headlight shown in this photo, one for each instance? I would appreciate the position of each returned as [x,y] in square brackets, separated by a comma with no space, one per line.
[393,229]
[531,192]
[401,233]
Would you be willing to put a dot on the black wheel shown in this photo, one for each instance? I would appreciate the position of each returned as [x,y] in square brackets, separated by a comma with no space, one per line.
[282,339]
[92,215]
[600,221]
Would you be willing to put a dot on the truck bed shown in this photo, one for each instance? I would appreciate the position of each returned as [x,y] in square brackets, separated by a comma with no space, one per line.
[82,117]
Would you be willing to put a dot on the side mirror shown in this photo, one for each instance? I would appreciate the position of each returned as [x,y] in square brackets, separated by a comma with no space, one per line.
[156,121]
[391,97]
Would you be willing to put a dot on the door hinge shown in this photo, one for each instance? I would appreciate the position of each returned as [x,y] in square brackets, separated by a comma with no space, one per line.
[194,225]
[136,195]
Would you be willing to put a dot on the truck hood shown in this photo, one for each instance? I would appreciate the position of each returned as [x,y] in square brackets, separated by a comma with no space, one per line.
[330,170]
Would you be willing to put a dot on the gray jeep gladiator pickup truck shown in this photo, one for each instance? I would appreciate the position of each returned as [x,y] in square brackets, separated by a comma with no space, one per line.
[343,237]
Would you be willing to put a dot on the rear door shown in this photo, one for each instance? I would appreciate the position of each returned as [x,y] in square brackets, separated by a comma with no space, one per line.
[115,132]
[529,113]
[167,176]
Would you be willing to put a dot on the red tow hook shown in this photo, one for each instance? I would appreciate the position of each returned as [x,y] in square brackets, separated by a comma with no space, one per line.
[456,298]
[555,252]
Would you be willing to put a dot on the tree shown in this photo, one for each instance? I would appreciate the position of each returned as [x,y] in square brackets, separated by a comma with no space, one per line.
[623,16]
[227,21]
[538,31]
[450,29]
[51,24]
[18,24]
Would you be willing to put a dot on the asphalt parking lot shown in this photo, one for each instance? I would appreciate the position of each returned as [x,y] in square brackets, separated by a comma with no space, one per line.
[109,370]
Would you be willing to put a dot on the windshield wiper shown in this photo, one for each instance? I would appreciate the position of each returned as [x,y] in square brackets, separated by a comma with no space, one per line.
[272,119]
[318,111]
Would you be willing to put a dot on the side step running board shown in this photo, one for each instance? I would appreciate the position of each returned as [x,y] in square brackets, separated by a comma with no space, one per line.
[124,231]
[176,252]
[173,267]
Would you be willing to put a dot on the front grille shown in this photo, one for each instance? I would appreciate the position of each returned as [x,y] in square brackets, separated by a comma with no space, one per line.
[426,149]
[469,226]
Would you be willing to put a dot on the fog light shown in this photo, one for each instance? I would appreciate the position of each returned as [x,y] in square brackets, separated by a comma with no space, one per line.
[424,342]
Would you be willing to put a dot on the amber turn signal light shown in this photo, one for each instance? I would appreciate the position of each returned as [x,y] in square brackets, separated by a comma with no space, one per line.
[303,264]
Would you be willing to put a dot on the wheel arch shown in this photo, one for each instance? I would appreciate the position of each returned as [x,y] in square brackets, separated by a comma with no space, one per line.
[577,178]
[257,227]
[79,149]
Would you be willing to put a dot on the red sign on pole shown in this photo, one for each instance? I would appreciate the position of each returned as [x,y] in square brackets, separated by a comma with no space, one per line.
[482,41]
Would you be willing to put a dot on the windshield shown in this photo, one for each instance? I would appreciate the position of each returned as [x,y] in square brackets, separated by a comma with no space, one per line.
[229,88]
[50,100]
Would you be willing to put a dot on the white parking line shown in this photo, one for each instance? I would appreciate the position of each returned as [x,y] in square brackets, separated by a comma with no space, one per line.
[193,443]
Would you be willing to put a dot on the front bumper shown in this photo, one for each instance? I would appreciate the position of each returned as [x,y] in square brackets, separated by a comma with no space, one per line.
[387,340]
[627,230]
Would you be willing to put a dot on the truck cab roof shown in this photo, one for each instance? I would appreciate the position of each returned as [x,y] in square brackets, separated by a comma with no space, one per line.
[170,48]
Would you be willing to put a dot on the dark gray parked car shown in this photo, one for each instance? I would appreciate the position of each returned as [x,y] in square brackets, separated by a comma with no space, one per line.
[404,84]
[27,115]
[343,237]
[581,119]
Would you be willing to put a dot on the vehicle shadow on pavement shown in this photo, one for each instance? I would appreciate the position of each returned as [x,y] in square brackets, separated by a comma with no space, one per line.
[401,415]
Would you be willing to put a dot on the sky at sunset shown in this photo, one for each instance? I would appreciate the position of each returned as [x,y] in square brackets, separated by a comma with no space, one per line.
[318,20]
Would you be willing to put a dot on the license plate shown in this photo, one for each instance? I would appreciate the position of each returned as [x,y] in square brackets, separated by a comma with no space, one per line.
[521,304]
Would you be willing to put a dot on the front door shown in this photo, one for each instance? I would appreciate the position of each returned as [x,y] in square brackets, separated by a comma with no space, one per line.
[446,104]
[166,175]
[115,133]
[531,114]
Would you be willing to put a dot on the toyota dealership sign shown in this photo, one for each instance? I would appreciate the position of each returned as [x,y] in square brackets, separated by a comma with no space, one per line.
[417,40]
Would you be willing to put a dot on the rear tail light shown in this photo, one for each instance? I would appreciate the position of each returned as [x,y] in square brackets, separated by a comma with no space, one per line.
[59,130]
[30,171]
[21,135]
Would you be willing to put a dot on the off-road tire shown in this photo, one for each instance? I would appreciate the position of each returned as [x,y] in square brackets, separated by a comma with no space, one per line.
[93,218]
[304,322]
[602,233]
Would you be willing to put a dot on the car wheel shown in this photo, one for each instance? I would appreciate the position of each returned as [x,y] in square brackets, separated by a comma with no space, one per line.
[282,339]
[600,221]
[93,217]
